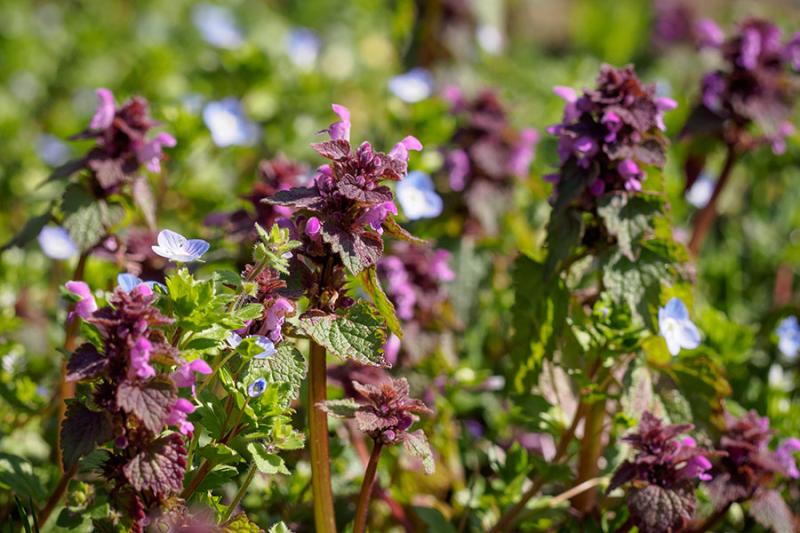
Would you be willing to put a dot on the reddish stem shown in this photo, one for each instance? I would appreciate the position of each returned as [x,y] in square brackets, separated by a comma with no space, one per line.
[360,523]
[704,219]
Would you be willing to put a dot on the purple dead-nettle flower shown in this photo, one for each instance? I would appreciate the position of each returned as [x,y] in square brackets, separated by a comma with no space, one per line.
[266,346]
[413,86]
[708,34]
[785,455]
[228,124]
[87,304]
[275,314]
[178,414]
[677,328]
[185,375]
[302,46]
[523,152]
[789,336]
[417,196]
[56,243]
[217,25]
[257,388]
[106,109]
[664,467]
[757,85]
[178,248]
[608,135]
[150,154]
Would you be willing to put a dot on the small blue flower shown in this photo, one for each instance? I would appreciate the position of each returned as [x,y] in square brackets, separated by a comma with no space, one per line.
[217,26]
[233,340]
[302,47]
[178,248]
[266,345]
[789,336]
[417,196]
[56,243]
[229,126]
[413,86]
[52,150]
[257,387]
[127,282]
[676,327]
[700,192]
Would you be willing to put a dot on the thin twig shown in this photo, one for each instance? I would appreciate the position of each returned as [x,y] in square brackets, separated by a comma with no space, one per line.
[705,218]
[360,523]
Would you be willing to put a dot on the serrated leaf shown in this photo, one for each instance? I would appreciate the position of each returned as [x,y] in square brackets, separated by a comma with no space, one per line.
[81,432]
[298,197]
[358,251]
[159,468]
[399,232]
[287,365]
[218,453]
[85,363]
[357,335]
[769,509]
[241,524]
[628,218]
[636,284]
[89,223]
[267,463]
[385,306]
[416,444]
[345,408]
[249,312]
[655,509]
[335,149]
[638,393]
[150,402]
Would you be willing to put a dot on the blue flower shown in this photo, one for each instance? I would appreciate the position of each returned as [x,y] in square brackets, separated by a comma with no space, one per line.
[127,282]
[413,86]
[302,46]
[417,197]
[233,340]
[257,387]
[217,26]
[676,328]
[228,124]
[700,192]
[789,336]
[178,248]
[266,345]
[56,243]
[52,150]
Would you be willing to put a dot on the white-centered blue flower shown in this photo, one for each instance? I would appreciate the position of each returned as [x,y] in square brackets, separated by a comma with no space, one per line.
[302,47]
[700,192]
[789,336]
[266,345]
[228,124]
[52,150]
[417,196]
[257,388]
[56,243]
[413,86]
[178,248]
[217,26]
[676,327]
[127,282]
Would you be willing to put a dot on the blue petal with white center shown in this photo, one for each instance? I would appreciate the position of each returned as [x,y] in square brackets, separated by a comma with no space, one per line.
[676,327]
[257,388]
[789,337]
[417,197]
[217,26]
[413,86]
[228,124]
[178,248]
[56,243]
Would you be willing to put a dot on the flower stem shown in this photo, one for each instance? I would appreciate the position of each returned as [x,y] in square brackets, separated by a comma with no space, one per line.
[360,524]
[324,517]
[251,472]
[705,218]
[591,448]
[58,493]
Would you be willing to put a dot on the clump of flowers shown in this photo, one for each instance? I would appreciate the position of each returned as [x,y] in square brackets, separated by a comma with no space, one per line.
[486,151]
[662,475]
[415,278]
[608,136]
[757,85]
[134,399]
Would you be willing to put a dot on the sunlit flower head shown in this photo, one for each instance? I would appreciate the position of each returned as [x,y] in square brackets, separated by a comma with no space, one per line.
[150,152]
[676,327]
[56,243]
[104,114]
[177,416]
[178,248]
[417,196]
[86,305]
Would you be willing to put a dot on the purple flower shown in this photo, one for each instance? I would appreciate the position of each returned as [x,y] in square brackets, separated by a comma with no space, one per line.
[709,34]
[177,417]
[784,454]
[401,149]
[341,129]
[140,359]
[275,317]
[150,153]
[792,51]
[185,376]
[413,86]
[104,115]
[522,153]
[178,248]
[613,124]
[399,286]
[457,163]
[570,96]
[86,305]
[313,227]
[56,243]
[417,196]
[698,466]
[663,104]
[439,265]
[374,216]
[391,349]
[257,388]
[630,172]
[228,124]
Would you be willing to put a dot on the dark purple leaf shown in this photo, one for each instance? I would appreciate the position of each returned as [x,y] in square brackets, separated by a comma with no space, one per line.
[86,363]
[770,510]
[160,468]
[357,251]
[655,509]
[150,402]
[81,431]
[350,189]
[335,150]
[299,197]
[67,169]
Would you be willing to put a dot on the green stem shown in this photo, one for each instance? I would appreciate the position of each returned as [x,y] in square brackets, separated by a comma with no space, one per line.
[360,524]
[322,496]
[251,472]
[591,448]
[58,493]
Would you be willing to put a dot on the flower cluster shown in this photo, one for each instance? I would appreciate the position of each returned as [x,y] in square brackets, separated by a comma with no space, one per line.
[608,135]
[756,85]
[269,293]
[414,278]
[486,151]
[676,22]
[665,466]
[123,143]
[130,401]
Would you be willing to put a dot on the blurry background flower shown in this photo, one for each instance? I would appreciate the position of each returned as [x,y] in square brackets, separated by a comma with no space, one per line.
[789,336]
[217,25]
[413,86]
[302,47]
[52,150]
[228,124]
[700,192]
[417,196]
[56,243]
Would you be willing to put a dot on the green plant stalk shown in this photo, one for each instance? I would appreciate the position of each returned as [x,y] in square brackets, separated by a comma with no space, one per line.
[322,495]
[360,524]
[591,448]
[251,472]
[58,493]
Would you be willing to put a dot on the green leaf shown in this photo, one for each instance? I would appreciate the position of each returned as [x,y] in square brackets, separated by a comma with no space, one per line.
[81,431]
[636,284]
[218,476]
[249,312]
[241,524]
[398,232]
[345,408]
[17,475]
[90,222]
[218,454]
[385,306]
[280,527]
[357,335]
[286,366]
[416,444]
[267,463]
[628,218]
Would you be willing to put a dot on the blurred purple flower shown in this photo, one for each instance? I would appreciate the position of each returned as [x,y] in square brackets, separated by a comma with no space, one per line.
[106,109]
[87,304]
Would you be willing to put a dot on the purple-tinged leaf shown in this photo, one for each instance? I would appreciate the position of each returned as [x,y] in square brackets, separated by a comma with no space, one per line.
[352,190]
[770,510]
[335,150]
[86,363]
[357,251]
[81,431]
[655,509]
[398,232]
[299,197]
[160,468]
[150,401]
[143,196]
[416,444]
